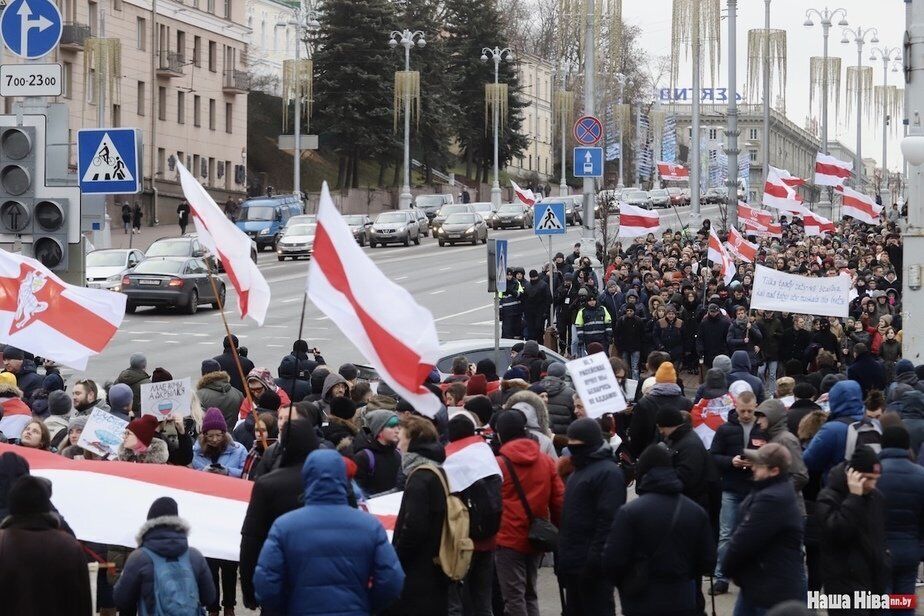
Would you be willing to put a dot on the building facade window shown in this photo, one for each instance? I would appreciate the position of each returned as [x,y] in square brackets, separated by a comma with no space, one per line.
[227,9]
[181,107]
[67,72]
[161,160]
[197,51]
[754,134]
[141,98]
[91,87]
[181,45]
[229,118]
[93,18]
[213,56]
[211,114]
[116,119]
[161,103]
[197,111]
[141,36]
[752,155]
[116,5]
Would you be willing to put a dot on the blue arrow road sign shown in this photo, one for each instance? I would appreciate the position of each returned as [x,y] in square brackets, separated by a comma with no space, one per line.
[108,161]
[31,28]
[500,264]
[588,162]
[549,218]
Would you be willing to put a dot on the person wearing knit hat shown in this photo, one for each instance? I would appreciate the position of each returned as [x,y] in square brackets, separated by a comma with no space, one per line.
[349,372]
[60,410]
[121,399]
[8,378]
[482,408]
[215,451]
[377,457]
[460,427]
[160,375]
[595,347]
[723,363]
[510,425]
[165,534]
[209,366]
[69,448]
[134,376]
[477,385]
[33,541]
[341,429]
[666,373]
[516,372]
[662,393]
[139,443]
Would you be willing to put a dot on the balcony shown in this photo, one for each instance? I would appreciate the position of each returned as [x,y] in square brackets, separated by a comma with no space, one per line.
[170,64]
[73,35]
[236,82]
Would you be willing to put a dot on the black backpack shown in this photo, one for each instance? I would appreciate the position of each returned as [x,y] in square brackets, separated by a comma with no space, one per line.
[483,499]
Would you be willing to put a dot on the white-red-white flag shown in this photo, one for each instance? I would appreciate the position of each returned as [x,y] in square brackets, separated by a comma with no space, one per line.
[830,171]
[816,224]
[740,247]
[635,221]
[757,219]
[526,196]
[467,461]
[42,314]
[788,178]
[718,254]
[395,334]
[672,172]
[857,205]
[779,195]
[232,246]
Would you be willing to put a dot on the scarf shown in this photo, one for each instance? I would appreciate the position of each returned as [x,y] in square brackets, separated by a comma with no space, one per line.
[411,460]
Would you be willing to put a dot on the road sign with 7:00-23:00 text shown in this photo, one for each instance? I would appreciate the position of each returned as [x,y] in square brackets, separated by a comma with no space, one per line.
[30,80]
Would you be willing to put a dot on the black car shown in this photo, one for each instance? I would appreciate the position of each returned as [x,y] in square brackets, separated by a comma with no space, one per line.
[514,215]
[175,282]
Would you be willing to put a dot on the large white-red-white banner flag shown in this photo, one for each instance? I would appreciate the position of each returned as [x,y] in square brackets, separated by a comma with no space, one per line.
[740,247]
[816,224]
[47,317]
[392,331]
[857,205]
[787,178]
[780,195]
[231,245]
[718,254]
[830,171]
[525,195]
[672,172]
[635,221]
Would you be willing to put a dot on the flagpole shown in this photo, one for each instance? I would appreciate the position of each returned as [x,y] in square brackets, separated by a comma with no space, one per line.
[237,358]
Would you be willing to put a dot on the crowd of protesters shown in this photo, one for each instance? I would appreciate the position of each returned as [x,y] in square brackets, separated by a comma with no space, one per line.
[764,454]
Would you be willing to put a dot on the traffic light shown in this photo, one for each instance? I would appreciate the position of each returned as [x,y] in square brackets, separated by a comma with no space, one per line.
[43,218]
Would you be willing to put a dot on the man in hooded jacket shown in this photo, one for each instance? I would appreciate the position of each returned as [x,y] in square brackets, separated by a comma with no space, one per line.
[561,398]
[742,371]
[537,419]
[827,448]
[290,379]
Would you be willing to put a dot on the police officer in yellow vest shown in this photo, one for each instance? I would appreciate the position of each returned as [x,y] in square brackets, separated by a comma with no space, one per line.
[511,307]
[593,323]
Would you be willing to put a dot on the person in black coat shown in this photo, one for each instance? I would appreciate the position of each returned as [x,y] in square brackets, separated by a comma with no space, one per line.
[536,301]
[667,557]
[376,454]
[274,494]
[182,216]
[694,466]
[764,555]
[665,394]
[227,363]
[712,336]
[289,379]
[866,370]
[629,331]
[668,335]
[744,336]
[593,494]
[803,404]
[851,513]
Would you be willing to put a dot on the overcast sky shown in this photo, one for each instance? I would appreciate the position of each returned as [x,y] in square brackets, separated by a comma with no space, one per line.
[888,16]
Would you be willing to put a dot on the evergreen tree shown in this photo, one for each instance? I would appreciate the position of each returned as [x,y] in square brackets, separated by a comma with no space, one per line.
[354,70]
[471,26]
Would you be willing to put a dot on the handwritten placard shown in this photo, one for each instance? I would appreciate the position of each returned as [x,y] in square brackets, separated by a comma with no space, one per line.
[103,433]
[783,292]
[166,398]
[596,385]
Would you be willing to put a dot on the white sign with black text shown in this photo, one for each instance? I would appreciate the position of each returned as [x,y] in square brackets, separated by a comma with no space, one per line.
[30,80]
[596,385]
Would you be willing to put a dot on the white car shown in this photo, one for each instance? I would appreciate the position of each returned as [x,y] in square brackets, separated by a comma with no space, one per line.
[105,268]
[296,241]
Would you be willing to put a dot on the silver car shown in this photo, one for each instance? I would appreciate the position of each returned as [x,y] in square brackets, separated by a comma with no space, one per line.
[297,241]
[105,268]
[638,198]
[394,228]
[423,223]
[660,197]
[487,211]
[463,228]
[359,224]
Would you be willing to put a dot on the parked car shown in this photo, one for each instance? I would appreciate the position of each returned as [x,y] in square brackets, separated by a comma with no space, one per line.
[463,228]
[486,210]
[638,198]
[712,195]
[574,209]
[446,210]
[302,219]
[394,227]
[359,224]
[659,197]
[296,241]
[423,223]
[264,218]
[105,268]
[175,282]
[431,204]
[514,215]
[218,265]
[677,197]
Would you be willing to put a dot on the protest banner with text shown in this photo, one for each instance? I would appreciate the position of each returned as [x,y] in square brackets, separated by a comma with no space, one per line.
[784,292]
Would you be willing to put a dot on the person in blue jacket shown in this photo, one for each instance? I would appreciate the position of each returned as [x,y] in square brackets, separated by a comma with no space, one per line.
[326,557]
[215,451]
[827,447]
[902,487]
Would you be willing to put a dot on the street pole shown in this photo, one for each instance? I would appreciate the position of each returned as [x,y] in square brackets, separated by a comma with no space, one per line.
[731,148]
[695,44]
[859,37]
[590,50]
[496,55]
[406,39]
[621,79]
[101,76]
[886,55]
[297,170]
[826,18]
[637,179]
[551,285]
[765,142]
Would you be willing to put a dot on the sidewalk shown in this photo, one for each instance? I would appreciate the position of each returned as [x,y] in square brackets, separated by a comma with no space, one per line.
[147,236]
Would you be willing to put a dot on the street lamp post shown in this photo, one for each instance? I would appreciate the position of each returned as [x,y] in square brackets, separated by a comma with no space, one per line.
[766,86]
[564,68]
[826,19]
[731,135]
[497,55]
[887,55]
[859,37]
[621,80]
[406,39]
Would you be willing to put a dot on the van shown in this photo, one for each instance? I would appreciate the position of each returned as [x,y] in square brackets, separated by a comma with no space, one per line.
[263,218]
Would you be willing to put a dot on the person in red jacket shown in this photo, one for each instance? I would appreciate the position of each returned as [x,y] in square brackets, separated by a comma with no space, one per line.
[516,561]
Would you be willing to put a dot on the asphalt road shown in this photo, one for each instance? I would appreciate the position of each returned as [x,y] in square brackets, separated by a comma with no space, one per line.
[450,281]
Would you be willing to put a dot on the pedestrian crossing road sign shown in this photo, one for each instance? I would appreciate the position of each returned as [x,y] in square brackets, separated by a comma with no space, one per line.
[109,161]
[549,218]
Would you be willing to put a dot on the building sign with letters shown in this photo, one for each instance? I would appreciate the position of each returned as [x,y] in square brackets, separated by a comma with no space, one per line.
[685,95]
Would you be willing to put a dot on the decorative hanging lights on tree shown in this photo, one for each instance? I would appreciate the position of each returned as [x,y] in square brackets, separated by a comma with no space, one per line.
[704,15]
[817,70]
[407,88]
[297,83]
[773,56]
[104,57]
[563,107]
[859,82]
[495,97]
[889,101]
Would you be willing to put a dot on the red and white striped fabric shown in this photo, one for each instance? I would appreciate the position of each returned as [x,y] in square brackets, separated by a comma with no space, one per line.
[718,254]
[830,171]
[788,178]
[232,246]
[857,205]
[740,247]
[526,196]
[392,331]
[672,172]
[779,195]
[816,224]
[44,315]
[635,221]
[467,461]
[708,415]
[753,218]
[774,229]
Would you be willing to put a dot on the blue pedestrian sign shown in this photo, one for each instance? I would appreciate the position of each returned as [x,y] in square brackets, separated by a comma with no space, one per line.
[31,28]
[549,218]
[108,161]
[500,265]
[588,162]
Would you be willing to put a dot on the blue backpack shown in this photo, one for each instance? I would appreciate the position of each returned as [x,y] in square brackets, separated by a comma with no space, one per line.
[176,591]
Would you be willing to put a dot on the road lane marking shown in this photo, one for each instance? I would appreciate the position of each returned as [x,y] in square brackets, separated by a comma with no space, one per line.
[400,278]
[437,292]
[443,269]
[140,340]
[459,314]
[290,300]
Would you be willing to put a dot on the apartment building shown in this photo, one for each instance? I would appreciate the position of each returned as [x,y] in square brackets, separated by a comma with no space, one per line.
[535,77]
[272,39]
[182,82]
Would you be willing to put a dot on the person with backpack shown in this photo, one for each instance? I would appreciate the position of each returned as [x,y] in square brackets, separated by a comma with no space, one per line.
[533,496]
[421,519]
[827,448]
[327,557]
[164,576]
[376,452]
